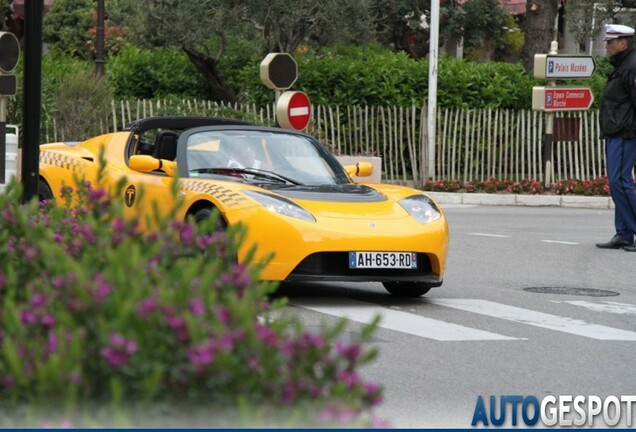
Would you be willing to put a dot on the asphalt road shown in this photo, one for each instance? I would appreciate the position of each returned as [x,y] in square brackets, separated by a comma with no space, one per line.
[528,307]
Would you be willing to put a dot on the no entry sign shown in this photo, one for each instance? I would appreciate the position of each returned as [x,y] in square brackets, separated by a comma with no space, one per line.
[293,110]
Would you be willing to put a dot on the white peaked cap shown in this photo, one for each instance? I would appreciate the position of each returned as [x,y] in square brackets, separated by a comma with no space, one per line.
[614,31]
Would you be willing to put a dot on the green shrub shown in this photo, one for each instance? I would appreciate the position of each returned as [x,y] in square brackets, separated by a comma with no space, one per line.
[95,313]
[56,68]
[82,105]
[146,74]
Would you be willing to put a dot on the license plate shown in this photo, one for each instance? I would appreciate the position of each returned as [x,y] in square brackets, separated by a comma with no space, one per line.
[388,260]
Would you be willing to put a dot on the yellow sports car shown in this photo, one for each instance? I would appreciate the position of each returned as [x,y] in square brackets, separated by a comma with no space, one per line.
[294,197]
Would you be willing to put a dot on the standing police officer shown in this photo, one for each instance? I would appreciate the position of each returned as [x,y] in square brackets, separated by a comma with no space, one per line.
[617,118]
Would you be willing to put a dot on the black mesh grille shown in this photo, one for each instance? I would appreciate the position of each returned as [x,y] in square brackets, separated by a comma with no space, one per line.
[335,266]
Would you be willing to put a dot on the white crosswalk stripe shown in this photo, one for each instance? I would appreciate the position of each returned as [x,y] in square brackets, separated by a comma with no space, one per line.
[606,306]
[537,319]
[397,320]
[439,330]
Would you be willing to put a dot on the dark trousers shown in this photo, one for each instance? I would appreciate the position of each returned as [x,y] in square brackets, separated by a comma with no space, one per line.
[621,157]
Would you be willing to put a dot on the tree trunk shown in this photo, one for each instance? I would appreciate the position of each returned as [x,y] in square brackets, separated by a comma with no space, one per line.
[208,67]
[539,30]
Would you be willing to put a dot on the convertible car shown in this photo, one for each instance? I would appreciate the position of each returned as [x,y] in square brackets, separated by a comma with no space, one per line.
[294,197]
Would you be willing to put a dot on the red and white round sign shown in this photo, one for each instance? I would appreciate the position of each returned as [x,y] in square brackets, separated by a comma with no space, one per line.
[293,110]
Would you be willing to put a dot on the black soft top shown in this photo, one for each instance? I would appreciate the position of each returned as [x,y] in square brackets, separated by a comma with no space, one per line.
[180,123]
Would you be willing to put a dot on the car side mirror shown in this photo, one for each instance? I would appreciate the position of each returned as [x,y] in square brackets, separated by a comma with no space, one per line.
[360,169]
[145,163]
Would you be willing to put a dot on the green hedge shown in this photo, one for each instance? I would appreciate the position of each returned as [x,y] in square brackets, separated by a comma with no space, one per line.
[343,76]
[377,77]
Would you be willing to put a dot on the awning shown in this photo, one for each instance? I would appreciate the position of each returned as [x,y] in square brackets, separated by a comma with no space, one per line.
[514,7]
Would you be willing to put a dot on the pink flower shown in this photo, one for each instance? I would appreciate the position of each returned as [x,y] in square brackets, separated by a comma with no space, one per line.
[103,288]
[146,307]
[223,315]
[52,343]
[119,350]
[266,335]
[197,307]
[350,378]
[351,352]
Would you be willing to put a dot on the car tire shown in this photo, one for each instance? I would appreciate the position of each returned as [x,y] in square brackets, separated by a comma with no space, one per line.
[44,191]
[407,289]
[204,214]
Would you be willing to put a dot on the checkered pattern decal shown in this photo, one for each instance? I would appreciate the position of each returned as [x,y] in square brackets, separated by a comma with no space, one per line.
[71,163]
[227,196]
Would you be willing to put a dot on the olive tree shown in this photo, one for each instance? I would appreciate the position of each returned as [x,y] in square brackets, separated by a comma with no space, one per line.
[539,30]
[204,29]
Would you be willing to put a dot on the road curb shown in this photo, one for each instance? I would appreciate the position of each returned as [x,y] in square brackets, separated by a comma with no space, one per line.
[522,200]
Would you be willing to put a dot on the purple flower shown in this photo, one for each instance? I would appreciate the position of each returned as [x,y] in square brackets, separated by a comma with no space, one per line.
[313,340]
[47,320]
[237,276]
[223,315]
[253,363]
[88,233]
[187,234]
[266,335]
[349,378]
[350,352]
[373,394]
[119,350]
[203,354]
[289,392]
[7,215]
[57,282]
[103,288]
[38,300]
[146,307]
[180,328]
[197,307]
[7,381]
[52,343]
[27,317]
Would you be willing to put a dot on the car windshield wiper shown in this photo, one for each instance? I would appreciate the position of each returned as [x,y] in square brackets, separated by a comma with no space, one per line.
[269,175]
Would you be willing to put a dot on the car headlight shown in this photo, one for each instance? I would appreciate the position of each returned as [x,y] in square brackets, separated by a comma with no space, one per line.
[280,205]
[421,208]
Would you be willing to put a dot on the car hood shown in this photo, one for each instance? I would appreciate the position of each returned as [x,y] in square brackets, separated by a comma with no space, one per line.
[350,201]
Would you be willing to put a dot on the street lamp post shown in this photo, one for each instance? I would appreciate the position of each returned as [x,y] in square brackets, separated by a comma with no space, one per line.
[432,87]
[99,40]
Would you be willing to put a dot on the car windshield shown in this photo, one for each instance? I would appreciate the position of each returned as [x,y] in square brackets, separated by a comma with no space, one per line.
[261,157]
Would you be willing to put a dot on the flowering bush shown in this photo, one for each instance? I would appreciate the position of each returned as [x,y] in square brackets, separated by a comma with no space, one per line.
[596,187]
[93,312]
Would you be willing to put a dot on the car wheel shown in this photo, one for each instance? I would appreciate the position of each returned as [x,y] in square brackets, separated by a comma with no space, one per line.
[204,214]
[407,289]
[44,191]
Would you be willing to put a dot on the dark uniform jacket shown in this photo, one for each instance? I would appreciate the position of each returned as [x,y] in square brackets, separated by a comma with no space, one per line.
[617,115]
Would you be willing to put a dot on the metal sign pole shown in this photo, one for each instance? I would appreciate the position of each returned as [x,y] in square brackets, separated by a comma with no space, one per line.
[32,98]
[3,139]
[549,130]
